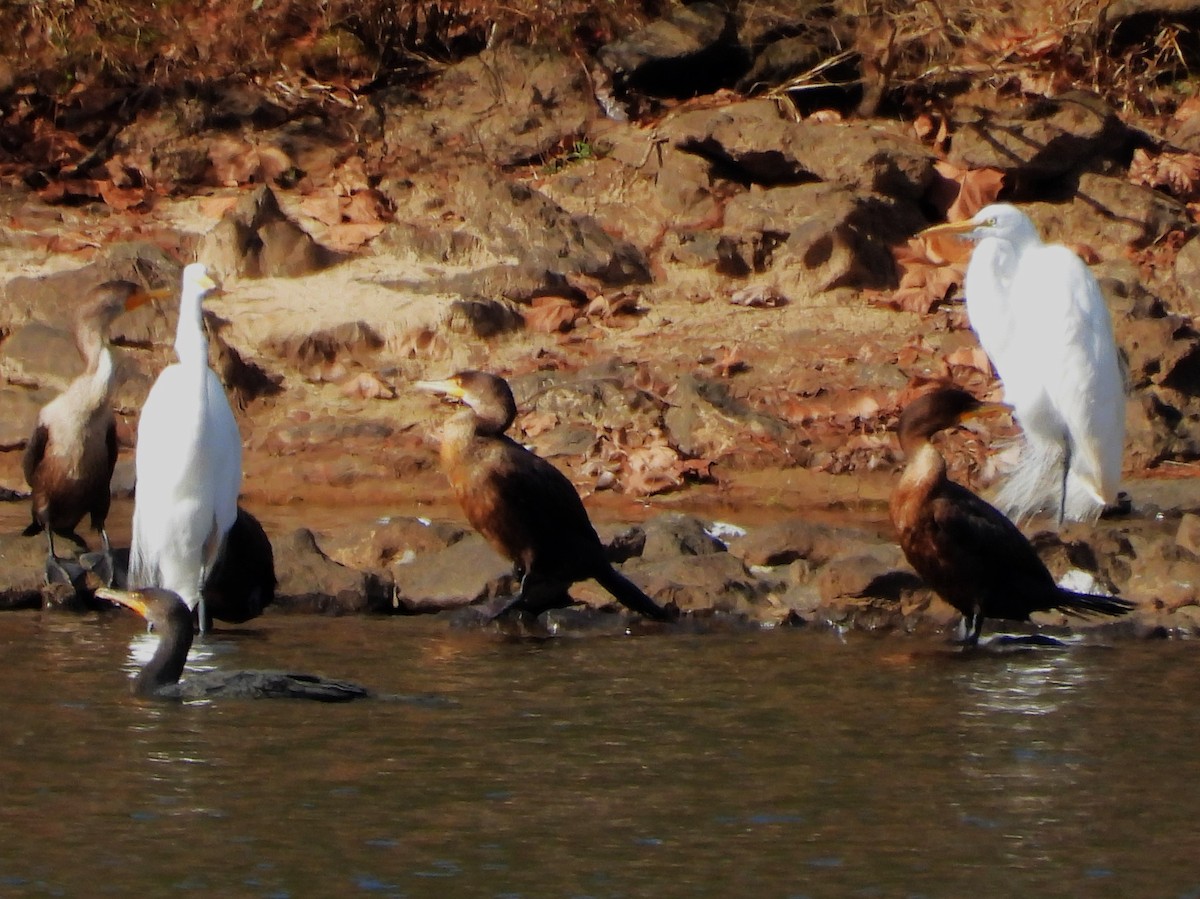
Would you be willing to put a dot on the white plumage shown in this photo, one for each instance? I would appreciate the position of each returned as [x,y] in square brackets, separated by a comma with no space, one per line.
[188,463]
[1041,318]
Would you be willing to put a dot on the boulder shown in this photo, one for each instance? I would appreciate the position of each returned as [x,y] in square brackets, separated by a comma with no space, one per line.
[704,421]
[1047,139]
[675,534]
[766,148]
[310,581]
[511,105]
[23,561]
[707,583]
[256,239]
[465,572]
[692,50]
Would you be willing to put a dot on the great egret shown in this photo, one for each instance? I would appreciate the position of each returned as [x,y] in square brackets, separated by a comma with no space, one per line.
[1041,318]
[171,619]
[69,459]
[971,554]
[188,464]
[524,506]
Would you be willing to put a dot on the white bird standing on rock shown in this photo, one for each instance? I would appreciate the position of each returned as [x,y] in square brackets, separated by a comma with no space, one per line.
[1041,318]
[188,463]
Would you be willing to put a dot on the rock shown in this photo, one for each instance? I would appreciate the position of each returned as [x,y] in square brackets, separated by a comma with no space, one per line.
[786,542]
[23,561]
[350,341]
[878,572]
[701,584]
[51,299]
[1188,535]
[704,421]
[256,239]
[309,581]
[766,148]
[509,106]
[675,534]
[1187,278]
[1108,211]
[19,408]
[1047,139]
[688,52]
[391,542]
[522,222]
[816,237]
[40,355]
[465,572]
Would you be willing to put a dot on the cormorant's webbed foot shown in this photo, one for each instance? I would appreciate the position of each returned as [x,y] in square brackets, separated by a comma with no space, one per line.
[57,573]
[100,564]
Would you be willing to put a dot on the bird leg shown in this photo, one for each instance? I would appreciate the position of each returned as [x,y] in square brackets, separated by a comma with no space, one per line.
[536,596]
[55,572]
[101,563]
[1066,470]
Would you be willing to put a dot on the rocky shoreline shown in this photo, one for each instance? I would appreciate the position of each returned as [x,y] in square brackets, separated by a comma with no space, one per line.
[695,296]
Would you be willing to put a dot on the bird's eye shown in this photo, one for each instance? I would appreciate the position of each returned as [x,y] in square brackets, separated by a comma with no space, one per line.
[990,223]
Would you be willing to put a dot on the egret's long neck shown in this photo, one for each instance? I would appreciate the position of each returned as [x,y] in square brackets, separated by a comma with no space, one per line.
[191,346]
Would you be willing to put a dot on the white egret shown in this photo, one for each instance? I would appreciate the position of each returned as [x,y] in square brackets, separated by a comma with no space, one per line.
[1041,318]
[70,456]
[188,463]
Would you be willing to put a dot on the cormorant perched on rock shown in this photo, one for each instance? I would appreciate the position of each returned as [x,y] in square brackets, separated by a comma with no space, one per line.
[171,619]
[965,549]
[524,506]
[189,463]
[70,457]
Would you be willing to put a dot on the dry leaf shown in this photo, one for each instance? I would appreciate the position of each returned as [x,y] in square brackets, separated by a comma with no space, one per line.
[1176,173]
[551,314]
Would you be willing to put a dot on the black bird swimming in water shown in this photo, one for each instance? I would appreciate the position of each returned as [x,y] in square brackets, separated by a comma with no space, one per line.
[524,506]
[70,456]
[965,549]
[173,621]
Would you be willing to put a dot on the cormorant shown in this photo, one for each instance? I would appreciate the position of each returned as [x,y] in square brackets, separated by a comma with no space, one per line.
[69,459]
[189,464]
[525,507]
[965,549]
[171,619]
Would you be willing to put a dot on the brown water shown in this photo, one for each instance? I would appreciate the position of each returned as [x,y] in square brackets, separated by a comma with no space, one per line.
[787,763]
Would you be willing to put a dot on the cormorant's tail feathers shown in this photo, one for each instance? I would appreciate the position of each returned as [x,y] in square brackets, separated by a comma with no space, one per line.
[628,594]
[1089,605]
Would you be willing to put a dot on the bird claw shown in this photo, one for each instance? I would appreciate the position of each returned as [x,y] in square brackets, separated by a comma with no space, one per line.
[57,572]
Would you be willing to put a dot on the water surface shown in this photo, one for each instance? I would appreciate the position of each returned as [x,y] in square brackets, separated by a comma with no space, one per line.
[786,763]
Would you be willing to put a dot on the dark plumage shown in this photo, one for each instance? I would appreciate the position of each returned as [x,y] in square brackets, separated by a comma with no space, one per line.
[524,506]
[172,620]
[243,582]
[965,549]
[70,456]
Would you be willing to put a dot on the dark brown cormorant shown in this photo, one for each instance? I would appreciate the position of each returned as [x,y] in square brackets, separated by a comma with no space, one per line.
[243,582]
[172,620]
[965,549]
[70,457]
[524,506]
